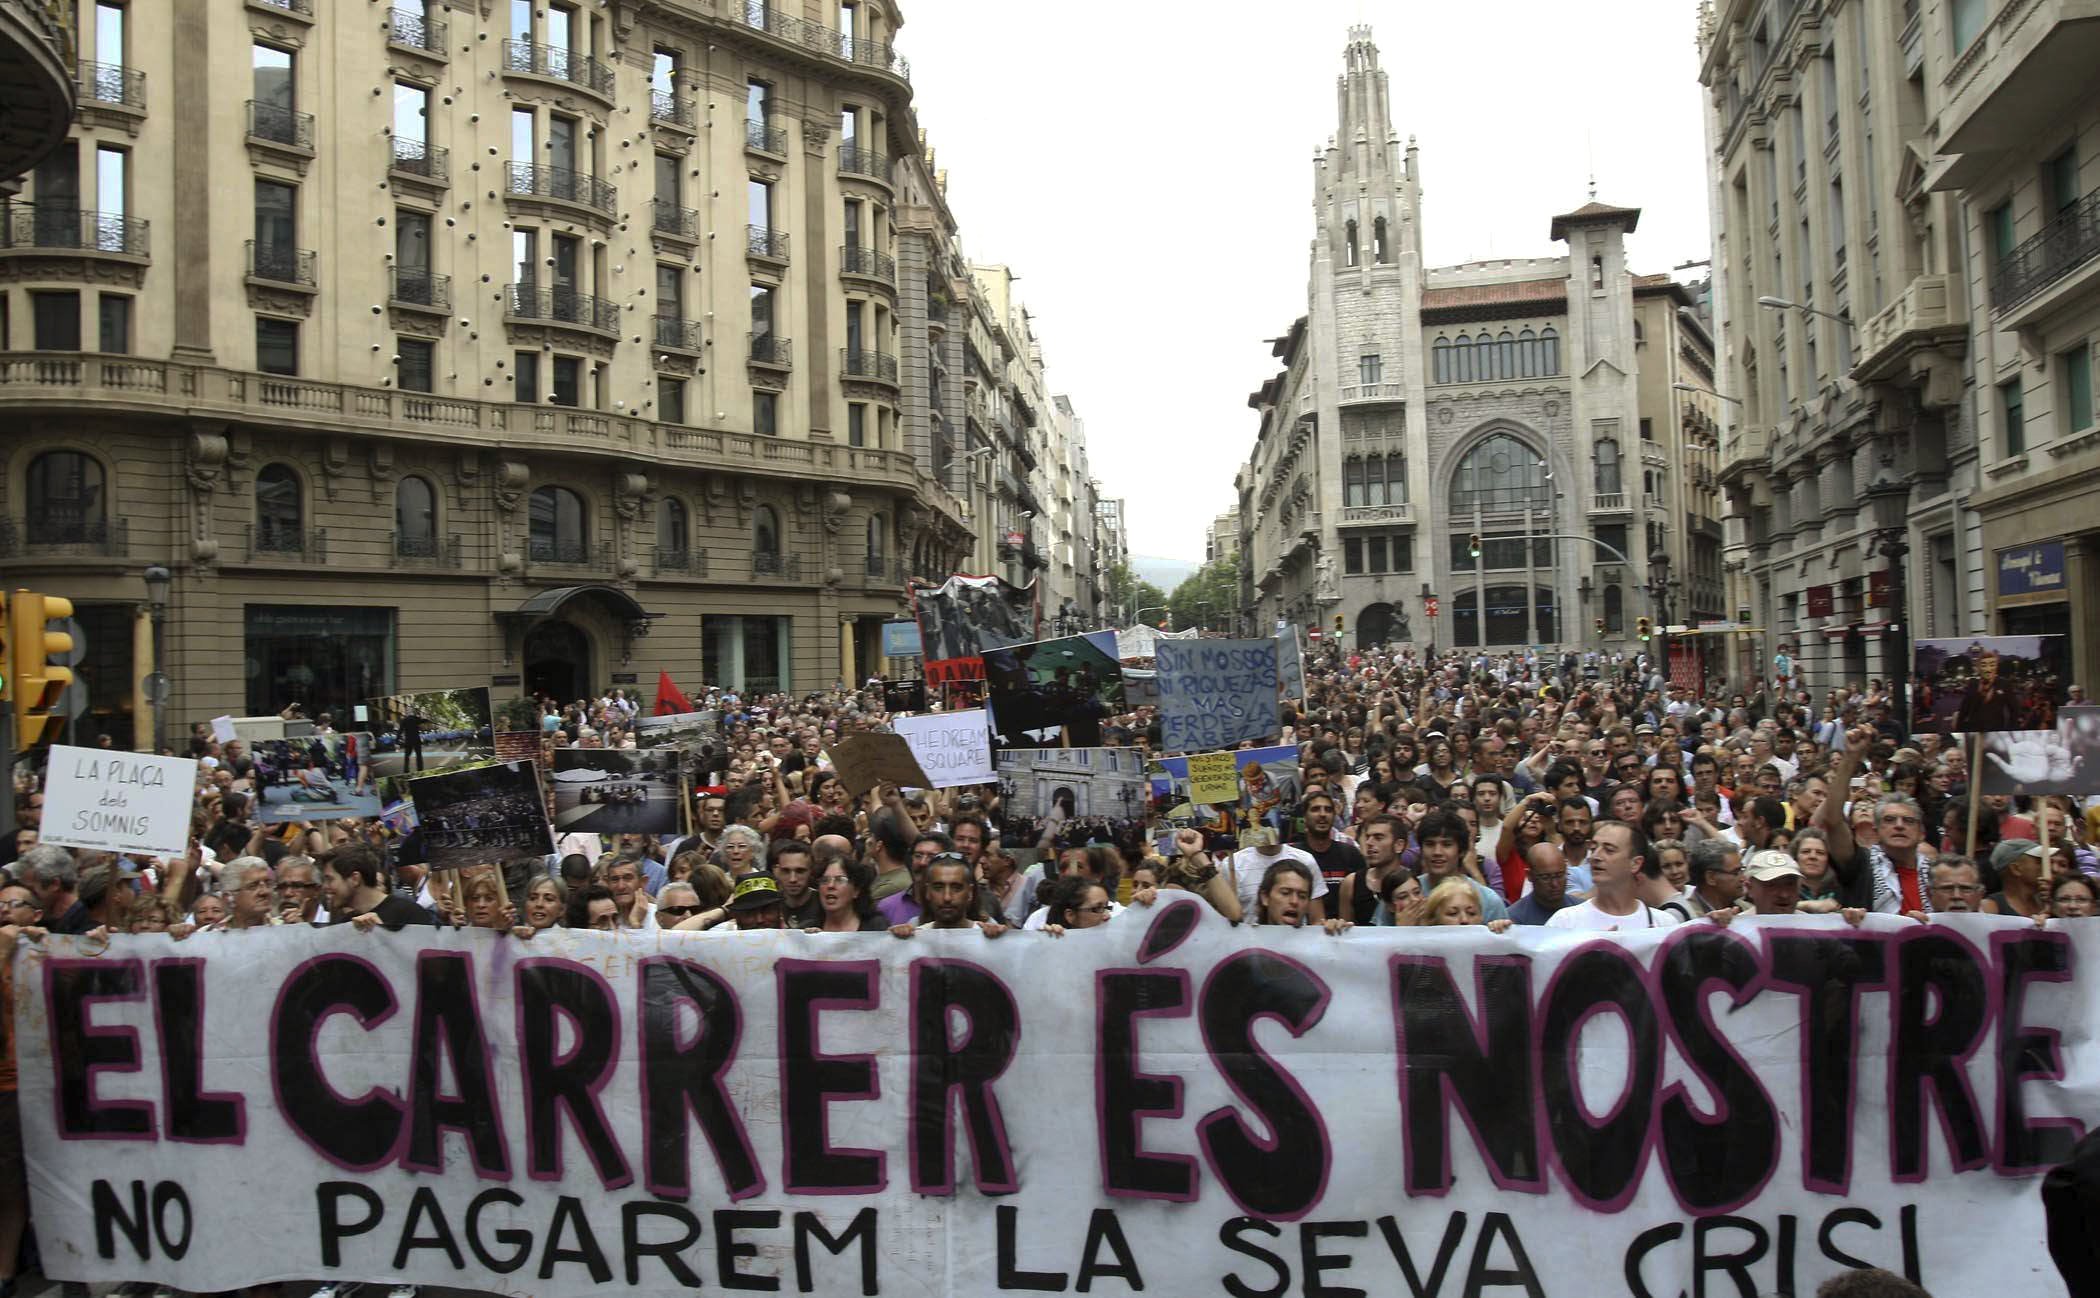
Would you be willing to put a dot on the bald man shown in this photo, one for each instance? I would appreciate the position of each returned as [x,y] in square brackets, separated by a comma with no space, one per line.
[1546,869]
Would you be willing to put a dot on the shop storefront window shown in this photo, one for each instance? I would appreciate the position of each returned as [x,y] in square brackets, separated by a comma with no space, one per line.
[325,659]
[748,654]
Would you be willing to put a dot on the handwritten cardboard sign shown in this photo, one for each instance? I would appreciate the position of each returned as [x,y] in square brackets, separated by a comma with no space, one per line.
[864,761]
[111,801]
[953,748]
[1213,778]
[1216,693]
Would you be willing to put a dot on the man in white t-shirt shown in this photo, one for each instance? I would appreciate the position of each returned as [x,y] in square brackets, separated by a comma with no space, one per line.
[1617,853]
[1249,864]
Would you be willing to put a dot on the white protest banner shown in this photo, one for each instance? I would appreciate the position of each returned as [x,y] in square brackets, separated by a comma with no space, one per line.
[1162,1103]
[113,801]
[1216,693]
[953,748]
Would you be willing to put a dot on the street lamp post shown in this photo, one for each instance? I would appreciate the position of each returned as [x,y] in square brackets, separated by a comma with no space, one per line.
[158,582]
[1893,543]
[1659,587]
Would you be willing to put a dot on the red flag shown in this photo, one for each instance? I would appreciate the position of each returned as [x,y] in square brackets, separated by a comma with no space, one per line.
[669,698]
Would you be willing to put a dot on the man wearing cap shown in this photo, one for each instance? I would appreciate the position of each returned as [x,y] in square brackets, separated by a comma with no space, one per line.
[1773,883]
[756,904]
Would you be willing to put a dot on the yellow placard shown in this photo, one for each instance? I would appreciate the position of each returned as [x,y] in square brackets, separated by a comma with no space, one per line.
[1213,778]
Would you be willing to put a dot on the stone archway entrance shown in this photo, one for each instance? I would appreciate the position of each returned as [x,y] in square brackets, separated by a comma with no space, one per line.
[1374,626]
[557,658]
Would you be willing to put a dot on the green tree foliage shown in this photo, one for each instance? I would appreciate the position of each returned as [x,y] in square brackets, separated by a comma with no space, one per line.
[1210,597]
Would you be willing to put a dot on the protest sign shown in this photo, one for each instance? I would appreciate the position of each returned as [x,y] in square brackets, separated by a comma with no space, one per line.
[866,760]
[480,815]
[1977,684]
[1054,693]
[900,639]
[1066,786]
[2065,760]
[431,729]
[318,777]
[964,616]
[223,730]
[112,801]
[952,747]
[1269,787]
[1216,693]
[1290,664]
[1213,778]
[1250,1111]
[616,790]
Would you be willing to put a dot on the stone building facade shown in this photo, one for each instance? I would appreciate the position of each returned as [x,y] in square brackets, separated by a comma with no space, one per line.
[1419,406]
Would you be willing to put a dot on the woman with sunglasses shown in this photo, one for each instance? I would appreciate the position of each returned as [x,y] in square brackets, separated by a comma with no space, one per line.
[1077,902]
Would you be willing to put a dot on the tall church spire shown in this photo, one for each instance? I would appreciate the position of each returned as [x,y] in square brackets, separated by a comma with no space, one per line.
[1364,130]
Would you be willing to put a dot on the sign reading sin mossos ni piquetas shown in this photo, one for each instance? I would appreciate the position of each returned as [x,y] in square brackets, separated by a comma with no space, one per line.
[1163,1103]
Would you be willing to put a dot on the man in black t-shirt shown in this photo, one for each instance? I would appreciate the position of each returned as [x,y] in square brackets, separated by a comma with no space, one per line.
[355,882]
[1338,858]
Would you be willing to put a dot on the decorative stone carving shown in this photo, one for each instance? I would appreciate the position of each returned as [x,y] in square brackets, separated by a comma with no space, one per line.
[335,462]
[281,301]
[381,459]
[630,490]
[205,468]
[836,506]
[511,477]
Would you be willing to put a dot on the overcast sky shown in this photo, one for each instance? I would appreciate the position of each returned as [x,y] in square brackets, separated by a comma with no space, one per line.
[1146,167]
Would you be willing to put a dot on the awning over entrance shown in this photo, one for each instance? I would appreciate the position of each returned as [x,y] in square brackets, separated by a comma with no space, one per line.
[548,603]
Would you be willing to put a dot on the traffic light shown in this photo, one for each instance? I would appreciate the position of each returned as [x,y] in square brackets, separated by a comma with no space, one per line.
[1337,624]
[1473,545]
[1645,627]
[1600,626]
[34,681]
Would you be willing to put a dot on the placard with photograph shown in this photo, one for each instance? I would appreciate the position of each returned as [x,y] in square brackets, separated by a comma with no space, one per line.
[430,730]
[482,815]
[1070,792]
[616,790]
[2064,760]
[318,777]
[1054,693]
[1978,684]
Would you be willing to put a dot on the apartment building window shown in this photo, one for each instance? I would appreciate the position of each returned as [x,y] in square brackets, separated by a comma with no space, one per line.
[275,93]
[670,291]
[57,317]
[1837,221]
[524,130]
[2076,366]
[112,168]
[276,232]
[760,194]
[525,376]
[555,519]
[109,34]
[411,127]
[1609,479]
[415,361]
[1614,610]
[1647,430]
[2060,178]
[1378,245]
[765,413]
[568,381]
[276,345]
[1349,244]
[1830,91]
[761,311]
[1352,555]
[415,517]
[1967,19]
[670,399]
[856,424]
[2012,403]
[853,207]
[1368,369]
[115,321]
[667,186]
[65,494]
[412,241]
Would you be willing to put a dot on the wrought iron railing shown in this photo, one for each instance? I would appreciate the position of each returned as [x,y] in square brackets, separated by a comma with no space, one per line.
[764,241]
[421,158]
[667,106]
[280,125]
[302,7]
[39,225]
[542,549]
[859,363]
[416,30]
[561,306]
[2060,247]
[554,61]
[688,562]
[271,538]
[682,334]
[282,265]
[828,41]
[539,180]
[763,135]
[887,570]
[419,286]
[64,531]
[857,160]
[772,349]
[427,548]
[671,219]
[855,260]
[113,83]
[772,563]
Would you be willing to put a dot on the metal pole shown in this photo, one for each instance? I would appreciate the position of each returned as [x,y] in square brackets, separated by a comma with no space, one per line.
[1480,601]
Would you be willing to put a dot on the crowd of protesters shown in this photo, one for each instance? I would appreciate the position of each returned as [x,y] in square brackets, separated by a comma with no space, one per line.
[1495,791]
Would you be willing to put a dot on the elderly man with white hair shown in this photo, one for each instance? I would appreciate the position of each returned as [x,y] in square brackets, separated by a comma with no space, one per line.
[52,875]
[250,891]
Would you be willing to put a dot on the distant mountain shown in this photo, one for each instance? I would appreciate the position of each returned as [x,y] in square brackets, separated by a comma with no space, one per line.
[1163,573]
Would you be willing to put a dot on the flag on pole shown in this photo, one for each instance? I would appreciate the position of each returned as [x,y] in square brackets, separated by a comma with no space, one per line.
[669,698]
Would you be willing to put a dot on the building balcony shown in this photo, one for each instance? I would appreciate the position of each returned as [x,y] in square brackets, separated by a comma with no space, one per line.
[31,227]
[419,288]
[826,41]
[536,304]
[1610,502]
[37,94]
[274,264]
[673,222]
[764,136]
[876,367]
[420,161]
[413,30]
[2059,261]
[772,351]
[426,550]
[881,570]
[859,160]
[535,180]
[284,128]
[543,551]
[2024,75]
[271,541]
[668,108]
[1364,394]
[523,58]
[64,533]
[690,561]
[1904,337]
[775,566]
[1376,515]
[868,264]
[766,243]
[110,94]
[677,334]
[297,8]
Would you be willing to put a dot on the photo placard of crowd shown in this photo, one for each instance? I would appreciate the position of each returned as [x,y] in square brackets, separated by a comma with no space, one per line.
[316,777]
[965,616]
[616,790]
[482,815]
[430,729]
[1066,795]
[1054,693]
